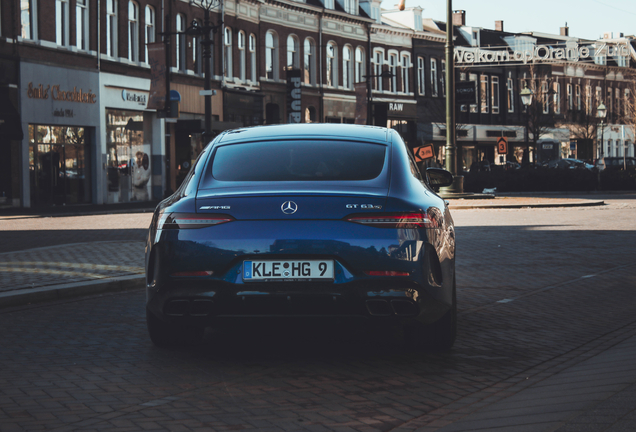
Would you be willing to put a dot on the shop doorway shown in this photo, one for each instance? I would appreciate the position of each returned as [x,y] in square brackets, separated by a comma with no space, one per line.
[57,165]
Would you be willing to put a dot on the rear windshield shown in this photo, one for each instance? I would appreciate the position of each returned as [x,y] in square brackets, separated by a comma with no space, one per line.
[306,160]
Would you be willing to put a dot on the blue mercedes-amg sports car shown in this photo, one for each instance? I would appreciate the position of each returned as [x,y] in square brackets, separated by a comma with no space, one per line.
[309,220]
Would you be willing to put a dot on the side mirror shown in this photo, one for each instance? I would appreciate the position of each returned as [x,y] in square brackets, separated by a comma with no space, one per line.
[438,177]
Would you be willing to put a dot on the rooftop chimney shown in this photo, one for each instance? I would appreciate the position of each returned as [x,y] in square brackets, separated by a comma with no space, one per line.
[499,26]
[565,31]
[459,17]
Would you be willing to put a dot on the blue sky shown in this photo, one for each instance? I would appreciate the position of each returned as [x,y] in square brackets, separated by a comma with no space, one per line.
[586,18]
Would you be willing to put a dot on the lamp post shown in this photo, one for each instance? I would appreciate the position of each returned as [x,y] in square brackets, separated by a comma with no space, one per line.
[204,31]
[601,112]
[526,99]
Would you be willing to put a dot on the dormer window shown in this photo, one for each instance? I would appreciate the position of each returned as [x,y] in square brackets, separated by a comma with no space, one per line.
[329,4]
[351,7]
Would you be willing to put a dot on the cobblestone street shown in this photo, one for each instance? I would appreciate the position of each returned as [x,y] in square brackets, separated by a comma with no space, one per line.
[541,292]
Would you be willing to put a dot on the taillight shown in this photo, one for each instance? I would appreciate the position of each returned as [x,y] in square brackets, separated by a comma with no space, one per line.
[190,220]
[395,220]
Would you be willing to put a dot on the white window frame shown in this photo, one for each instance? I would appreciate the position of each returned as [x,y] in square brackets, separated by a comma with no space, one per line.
[149,23]
[111,28]
[332,64]
[557,97]
[484,94]
[421,76]
[577,95]
[378,63]
[81,25]
[271,55]
[251,45]
[511,94]
[494,94]
[228,64]
[609,102]
[393,64]
[434,83]
[617,97]
[180,45]
[359,68]
[197,53]
[330,4]
[309,61]
[474,107]
[405,70]
[28,15]
[588,100]
[545,95]
[133,31]
[347,67]
[240,45]
[570,96]
[626,103]
[61,22]
[293,51]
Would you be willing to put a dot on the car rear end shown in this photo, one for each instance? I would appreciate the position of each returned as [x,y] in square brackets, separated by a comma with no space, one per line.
[301,226]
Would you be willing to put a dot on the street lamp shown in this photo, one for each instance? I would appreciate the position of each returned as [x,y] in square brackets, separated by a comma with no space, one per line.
[601,112]
[526,98]
[204,31]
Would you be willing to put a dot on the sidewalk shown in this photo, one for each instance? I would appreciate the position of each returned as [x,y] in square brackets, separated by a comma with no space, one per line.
[70,270]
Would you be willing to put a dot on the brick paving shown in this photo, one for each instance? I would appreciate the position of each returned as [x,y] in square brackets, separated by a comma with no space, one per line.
[540,292]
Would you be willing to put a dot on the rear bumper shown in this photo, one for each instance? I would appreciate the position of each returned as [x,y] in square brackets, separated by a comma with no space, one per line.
[201,303]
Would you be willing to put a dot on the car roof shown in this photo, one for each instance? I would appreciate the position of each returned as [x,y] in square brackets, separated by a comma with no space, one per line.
[307,131]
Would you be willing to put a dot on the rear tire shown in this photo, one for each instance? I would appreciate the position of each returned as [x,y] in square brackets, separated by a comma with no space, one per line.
[163,334]
[439,335]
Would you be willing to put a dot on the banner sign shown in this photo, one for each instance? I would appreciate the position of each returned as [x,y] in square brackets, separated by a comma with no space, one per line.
[157,61]
[569,52]
[294,96]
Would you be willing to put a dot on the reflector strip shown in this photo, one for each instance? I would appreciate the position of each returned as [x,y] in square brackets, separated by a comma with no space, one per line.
[192,273]
[386,273]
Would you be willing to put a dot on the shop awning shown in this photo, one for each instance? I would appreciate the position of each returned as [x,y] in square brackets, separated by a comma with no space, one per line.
[10,123]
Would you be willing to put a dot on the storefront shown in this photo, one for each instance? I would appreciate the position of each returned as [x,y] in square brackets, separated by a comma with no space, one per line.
[60,119]
[400,115]
[131,141]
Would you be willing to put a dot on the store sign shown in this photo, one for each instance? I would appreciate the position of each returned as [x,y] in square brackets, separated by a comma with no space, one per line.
[574,52]
[294,96]
[140,98]
[58,94]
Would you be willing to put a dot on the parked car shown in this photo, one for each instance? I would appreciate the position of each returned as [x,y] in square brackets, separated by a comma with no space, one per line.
[304,220]
[569,163]
[618,163]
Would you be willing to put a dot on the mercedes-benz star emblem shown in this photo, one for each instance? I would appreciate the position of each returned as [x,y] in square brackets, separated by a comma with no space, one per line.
[289,207]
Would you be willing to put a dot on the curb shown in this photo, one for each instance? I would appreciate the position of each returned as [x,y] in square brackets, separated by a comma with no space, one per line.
[75,289]
[526,205]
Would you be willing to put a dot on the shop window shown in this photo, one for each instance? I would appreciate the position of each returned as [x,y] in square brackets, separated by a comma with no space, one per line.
[58,167]
[310,114]
[128,157]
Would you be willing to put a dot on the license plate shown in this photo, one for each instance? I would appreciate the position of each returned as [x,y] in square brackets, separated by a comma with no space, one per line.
[263,271]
